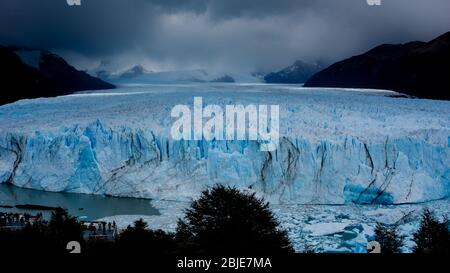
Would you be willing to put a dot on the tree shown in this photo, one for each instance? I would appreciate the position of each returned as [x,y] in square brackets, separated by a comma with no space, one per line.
[433,237]
[99,246]
[389,238]
[62,229]
[226,221]
[139,239]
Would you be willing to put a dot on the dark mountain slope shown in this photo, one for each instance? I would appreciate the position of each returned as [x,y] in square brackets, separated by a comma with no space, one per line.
[18,80]
[53,77]
[416,68]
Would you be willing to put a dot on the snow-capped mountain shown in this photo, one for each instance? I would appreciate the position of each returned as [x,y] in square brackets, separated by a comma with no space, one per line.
[337,146]
[135,71]
[138,74]
[299,72]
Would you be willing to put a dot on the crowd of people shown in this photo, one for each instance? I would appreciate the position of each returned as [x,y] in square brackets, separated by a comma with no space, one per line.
[20,220]
[101,228]
[15,219]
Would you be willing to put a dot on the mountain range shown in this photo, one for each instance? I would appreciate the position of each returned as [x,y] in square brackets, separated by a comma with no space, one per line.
[138,74]
[417,69]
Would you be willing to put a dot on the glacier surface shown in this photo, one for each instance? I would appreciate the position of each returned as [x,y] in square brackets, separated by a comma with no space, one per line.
[337,146]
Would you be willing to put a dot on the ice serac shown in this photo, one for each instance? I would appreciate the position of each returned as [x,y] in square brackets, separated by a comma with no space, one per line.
[122,161]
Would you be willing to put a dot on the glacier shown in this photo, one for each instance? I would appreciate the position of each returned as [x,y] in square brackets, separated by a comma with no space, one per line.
[337,146]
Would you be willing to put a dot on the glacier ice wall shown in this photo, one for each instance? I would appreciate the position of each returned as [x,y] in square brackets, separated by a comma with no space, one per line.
[140,163]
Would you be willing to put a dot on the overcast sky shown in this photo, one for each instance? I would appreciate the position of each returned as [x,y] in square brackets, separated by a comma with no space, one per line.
[228,35]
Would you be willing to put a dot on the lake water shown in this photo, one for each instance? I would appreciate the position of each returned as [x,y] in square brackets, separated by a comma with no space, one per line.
[85,206]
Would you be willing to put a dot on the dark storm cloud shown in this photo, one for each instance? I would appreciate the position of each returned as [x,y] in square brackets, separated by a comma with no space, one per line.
[220,34]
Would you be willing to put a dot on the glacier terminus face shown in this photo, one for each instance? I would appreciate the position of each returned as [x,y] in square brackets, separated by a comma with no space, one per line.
[336,146]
